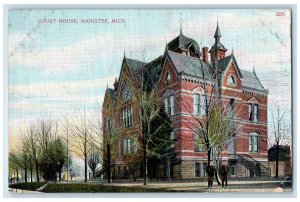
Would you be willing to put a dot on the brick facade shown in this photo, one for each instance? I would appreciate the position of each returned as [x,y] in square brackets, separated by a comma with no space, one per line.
[183,83]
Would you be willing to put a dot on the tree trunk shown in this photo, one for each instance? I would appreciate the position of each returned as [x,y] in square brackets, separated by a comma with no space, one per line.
[134,178]
[31,174]
[108,171]
[37,171]
[85,164]
[277,158]
[25,169]
[59,175]
[208,156]
[17,175]
[145,165]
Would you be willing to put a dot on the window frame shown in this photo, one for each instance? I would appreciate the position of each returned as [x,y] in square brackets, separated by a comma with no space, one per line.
[253,113]
[253,143]
[198,174]
[231,80]
[169,105]
[197,104]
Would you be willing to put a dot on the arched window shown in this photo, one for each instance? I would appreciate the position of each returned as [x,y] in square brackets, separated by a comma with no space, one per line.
[231,80]
[126,92]
[168,77]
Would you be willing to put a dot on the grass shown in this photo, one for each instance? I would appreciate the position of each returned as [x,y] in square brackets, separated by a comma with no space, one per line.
[94,188]
[32,186]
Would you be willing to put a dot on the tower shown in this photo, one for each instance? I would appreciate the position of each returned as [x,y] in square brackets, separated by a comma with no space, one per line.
[218,50]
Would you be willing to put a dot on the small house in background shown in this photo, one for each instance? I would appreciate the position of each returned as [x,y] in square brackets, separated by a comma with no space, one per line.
[284,164]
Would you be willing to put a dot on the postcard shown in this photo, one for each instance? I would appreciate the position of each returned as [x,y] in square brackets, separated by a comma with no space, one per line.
[149,100]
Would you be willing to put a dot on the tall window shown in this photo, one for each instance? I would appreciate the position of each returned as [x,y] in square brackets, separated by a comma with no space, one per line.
[169,105]
[250,112]
[232,107]
[172,105]
[196,104]
[125,147]
[166,105]
[172,140]
[109,124]
[130,145]
[253,112]
[127,117]
[203,105]
[134,143]
[197,169]
[253,143]
[255,118]
[204,169]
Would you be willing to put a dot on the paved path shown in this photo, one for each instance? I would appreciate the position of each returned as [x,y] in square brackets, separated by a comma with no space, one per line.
[21,191]
[233,186]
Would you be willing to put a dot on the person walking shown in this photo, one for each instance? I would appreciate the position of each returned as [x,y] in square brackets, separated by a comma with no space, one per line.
[210,175]
[224,174]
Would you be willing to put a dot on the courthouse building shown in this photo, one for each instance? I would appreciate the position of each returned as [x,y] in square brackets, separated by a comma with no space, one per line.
[178,77]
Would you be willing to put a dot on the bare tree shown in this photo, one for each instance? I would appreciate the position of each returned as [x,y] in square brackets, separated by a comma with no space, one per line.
[280,129]
[94,160]
[81,134]
[32,147]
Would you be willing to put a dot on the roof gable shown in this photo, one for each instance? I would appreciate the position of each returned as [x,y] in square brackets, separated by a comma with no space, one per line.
[109,98]
[225,63]
[189,65]
[250,80]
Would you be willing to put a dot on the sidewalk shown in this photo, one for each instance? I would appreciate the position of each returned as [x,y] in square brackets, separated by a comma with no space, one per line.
[233,186]
[21,191]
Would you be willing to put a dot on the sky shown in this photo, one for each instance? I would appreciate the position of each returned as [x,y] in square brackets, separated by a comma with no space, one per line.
[56,68]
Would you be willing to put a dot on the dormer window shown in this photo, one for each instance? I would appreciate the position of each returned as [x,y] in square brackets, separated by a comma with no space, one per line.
[168,77]
[126,93]
[231,80]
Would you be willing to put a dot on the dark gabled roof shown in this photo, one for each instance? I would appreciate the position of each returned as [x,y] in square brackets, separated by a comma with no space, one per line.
[111,93]
[250,80]
[189,65]
[218,45]
[217,32]
[192,66]
[134,65]
[225,62]
[184,42]
[152,72]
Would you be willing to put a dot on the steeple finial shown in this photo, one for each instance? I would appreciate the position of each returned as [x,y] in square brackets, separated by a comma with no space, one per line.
[254,71]
[124,53]
[232,51]
[180,23]
[217,34]
[166,47]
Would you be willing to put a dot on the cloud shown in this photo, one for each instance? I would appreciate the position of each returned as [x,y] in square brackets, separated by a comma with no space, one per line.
[57,59]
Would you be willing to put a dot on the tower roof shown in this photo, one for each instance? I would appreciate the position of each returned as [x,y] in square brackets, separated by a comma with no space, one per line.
[217,32]
[183,42]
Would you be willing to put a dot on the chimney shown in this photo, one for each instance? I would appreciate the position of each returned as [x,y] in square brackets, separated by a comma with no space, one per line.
[205,54]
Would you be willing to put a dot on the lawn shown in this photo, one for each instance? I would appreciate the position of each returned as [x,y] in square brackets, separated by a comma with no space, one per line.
[32,186]
[94,188]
